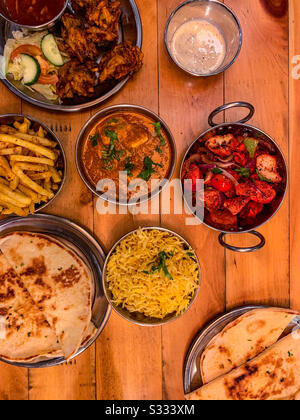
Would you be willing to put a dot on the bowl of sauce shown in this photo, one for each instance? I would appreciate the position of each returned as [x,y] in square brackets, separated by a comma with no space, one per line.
[203,37]
[131,140]
[33,14]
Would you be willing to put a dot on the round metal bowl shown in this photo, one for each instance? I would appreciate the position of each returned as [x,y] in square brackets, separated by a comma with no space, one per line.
[9,119]
[240,128]
[136,317]
[80,241]
[216,13]
[46,25]
[130,30]
[109,111]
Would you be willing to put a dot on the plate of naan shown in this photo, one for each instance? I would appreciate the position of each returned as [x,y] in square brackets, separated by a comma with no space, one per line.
[52,305]
[250,353]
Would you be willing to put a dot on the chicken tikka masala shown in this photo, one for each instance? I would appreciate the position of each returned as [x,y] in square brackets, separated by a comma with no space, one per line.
[126,142]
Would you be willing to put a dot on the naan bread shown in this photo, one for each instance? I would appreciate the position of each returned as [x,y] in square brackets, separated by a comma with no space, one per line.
[273,375]
[24,332]
[242,340]
[58,282]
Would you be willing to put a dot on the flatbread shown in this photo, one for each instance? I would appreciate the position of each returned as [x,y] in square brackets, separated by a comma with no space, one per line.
[242,340]
[24,331]
[273,375]
[57,280]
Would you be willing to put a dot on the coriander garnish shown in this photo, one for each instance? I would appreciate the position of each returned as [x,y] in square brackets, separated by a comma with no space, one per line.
[129,167]
[94,139]
[161,264]
[149,170]
[217,171]
[111,153]
[244,172]
[157,127]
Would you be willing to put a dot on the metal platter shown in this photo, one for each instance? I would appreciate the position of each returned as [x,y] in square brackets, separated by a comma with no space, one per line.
[86,247]
[192,374]
[130,30]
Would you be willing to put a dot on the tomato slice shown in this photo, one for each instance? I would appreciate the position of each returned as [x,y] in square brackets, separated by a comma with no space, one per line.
[32,50]
[48,80]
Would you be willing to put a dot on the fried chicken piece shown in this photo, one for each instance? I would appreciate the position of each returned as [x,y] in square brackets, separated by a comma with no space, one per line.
[123,60]
[76,40]
[104,22]
[76,78]
[79,5]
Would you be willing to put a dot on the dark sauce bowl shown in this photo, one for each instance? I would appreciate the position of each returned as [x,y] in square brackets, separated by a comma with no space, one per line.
[47,25]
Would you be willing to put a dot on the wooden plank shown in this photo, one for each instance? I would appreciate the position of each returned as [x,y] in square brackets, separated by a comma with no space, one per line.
[294,74]
[260,77]
[128,356]
[76,380]
[14,381]
[185,103]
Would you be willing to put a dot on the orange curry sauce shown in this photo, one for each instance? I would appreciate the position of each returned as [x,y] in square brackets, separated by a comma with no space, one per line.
[129,142]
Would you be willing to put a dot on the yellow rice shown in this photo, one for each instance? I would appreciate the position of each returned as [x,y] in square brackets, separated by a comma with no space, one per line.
[154,295]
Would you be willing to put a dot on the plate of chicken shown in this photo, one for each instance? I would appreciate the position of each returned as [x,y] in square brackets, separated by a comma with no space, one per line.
[238,174]
[88,56]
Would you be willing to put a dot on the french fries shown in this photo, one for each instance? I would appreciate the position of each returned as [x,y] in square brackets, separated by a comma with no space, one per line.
[30,174]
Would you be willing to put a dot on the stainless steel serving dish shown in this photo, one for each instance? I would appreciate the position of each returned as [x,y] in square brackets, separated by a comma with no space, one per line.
[192,379]
[138,318]
[216,13]
[8,119]
[130,30]
[124,108]
[86,247]
[240,128]
[44,26]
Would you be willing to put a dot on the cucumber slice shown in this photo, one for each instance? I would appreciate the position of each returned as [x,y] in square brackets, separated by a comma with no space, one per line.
[51,51]
[32,69]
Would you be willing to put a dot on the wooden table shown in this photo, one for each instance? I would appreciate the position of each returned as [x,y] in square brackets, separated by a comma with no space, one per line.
[130,362]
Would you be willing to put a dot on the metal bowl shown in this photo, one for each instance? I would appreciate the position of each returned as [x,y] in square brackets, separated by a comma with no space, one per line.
[87,248]
[44,26]
[130,30]
[136,317]
[9,119]
[240,128]
[220,16]
[124,108]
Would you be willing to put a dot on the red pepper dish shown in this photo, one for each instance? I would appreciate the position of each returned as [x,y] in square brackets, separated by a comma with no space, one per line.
[244,177]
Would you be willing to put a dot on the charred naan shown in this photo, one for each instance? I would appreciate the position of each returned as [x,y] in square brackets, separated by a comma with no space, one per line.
[273,375]
[58,282]
[24,331]
[242,340]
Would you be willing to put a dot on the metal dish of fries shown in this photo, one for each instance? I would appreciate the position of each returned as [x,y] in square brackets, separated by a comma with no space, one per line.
[32,165]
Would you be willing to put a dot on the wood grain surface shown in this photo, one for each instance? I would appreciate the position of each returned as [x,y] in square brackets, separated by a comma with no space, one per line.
[131,362]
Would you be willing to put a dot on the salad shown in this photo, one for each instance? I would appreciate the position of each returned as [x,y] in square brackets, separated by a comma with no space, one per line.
[242,175]
[34,60]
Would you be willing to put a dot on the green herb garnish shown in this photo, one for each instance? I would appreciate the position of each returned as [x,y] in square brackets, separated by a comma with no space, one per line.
[149,170]
[94,139]
[244,172]
[157,127]
[129,167]
[290,354]
[113,121]
[251,146]
[262,178]
[161,265]
[217,171]
[111,153]
[158,150]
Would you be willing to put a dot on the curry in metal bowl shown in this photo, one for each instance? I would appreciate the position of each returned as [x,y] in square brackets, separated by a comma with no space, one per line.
[132,142]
